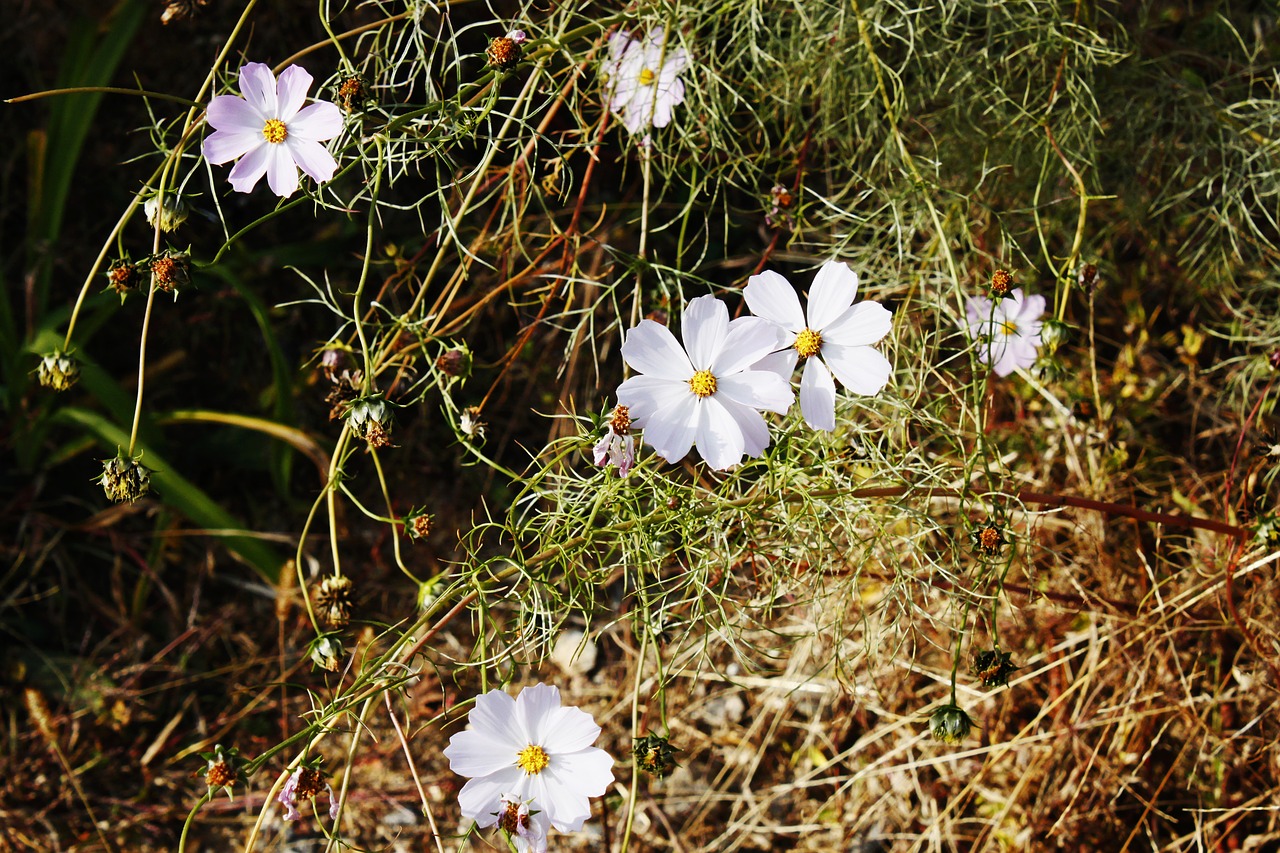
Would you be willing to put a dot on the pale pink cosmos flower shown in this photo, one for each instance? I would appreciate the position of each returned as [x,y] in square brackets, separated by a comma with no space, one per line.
[644,78]
[270,131]
[304,783]
[836,336]
[618,447]
[524,823]
[1008,330]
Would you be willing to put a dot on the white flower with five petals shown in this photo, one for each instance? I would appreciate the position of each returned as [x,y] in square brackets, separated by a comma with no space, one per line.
[529,749]
[1008,330]
[835,337]
[271,132]
[644,78]
[707,392]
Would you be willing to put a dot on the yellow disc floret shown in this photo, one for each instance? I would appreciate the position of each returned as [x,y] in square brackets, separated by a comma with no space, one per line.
[1008,328]
[646,76]
[275,131]
[808,343]
[702,383]
[533,759]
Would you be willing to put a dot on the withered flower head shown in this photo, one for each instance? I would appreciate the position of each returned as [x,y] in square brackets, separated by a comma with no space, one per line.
[58,370]
[326,652]
[166,216]
[504,53]
[418,523]
[370,418]
[352,93]
[455,363]
[471,424]
[334,599]
[221,770]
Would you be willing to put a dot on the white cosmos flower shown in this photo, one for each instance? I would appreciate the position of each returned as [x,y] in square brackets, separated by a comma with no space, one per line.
[836,337]
[644,78]
[271,132]
[529,749]
[1008,330]
[707,392]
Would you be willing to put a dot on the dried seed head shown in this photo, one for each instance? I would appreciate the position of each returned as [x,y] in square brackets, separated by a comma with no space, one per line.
[1001,282]
[58,370]
[334,599]
[504,53]
[179,9]
[1088,276]
[221,770]
[352,94]
[125,479]
[310,782]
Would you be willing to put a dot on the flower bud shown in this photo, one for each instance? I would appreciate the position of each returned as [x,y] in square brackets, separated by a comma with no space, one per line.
[455,363]
[988,539]
[1053,334]
[124,478]
[166,216]
[326,652]
[654,755]
[950,724]
[58,370]
[370,418]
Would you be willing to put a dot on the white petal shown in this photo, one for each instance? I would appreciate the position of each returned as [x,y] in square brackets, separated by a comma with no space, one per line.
[833,291]
[648,396]
[772,297]
[704,325]
[231,114]
[282,172]
[477,753]
[1032,309]
[258,85]
[651,349]
[861,325]
[720,439]
[978,312]
[569,730]
[252,166]
[533,706]
[318,122]
[818,396]
[225,145]
[494,714]
[565,807]
[671,431]
[782,362]
[291,92]
[749,340]
[480,799]
[755,432]
[863,370]
[313,158]
[759,389]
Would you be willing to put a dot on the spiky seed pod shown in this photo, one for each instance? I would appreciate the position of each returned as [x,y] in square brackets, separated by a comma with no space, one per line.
[58,370]
[124,478]
[992,667]
[334,599]
[1001,282]
[950,724]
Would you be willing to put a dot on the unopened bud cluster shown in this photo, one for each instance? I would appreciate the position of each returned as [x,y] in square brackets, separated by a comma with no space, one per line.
[125,479]
[58,370]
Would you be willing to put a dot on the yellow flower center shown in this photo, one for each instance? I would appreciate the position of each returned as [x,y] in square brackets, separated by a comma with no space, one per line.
[533,759]
[275,131]
[702,383]
[1008,329]
[808,343]
[646,76]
